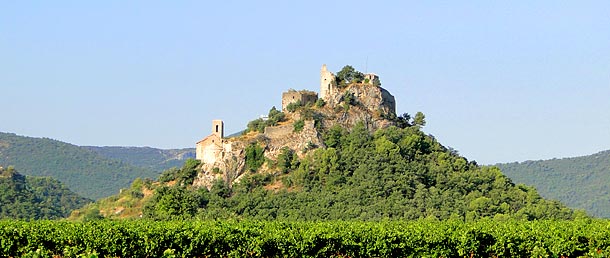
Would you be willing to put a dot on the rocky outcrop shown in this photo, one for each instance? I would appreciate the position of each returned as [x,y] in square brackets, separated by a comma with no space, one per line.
[346,106]
[373,98]
[287,137]
[228,164]
[371,105]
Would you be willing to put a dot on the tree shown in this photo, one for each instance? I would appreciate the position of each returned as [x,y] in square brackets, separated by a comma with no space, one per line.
[403,121]
[254,157]
[419,119]
[299,125]
[275,116]
[285,159]
[348,75]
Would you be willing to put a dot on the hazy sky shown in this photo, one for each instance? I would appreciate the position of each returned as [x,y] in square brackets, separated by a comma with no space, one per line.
[498,81]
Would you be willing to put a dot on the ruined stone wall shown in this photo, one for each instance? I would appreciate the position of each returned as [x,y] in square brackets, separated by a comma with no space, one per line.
[290,97]
[309,97]
[278,131]
[302,96]
[297,141]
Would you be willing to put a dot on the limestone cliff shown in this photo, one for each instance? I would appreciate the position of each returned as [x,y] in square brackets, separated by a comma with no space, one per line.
[371,105]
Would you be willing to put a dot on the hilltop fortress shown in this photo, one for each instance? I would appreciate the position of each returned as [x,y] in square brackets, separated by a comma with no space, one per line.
[340,102]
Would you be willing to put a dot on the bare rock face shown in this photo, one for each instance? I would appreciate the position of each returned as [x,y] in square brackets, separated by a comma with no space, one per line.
[286,136]
[227,164]
[373,98]
[371,105]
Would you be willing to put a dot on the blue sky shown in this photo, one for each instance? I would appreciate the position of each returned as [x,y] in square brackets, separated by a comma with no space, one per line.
[499,81]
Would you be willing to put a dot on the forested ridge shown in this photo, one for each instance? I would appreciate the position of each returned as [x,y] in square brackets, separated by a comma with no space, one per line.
[85,172]
[579,182]
[394,173]
[154,159]
[28,197]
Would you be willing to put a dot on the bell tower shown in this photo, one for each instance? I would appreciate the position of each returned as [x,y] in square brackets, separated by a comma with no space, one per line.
[218,128]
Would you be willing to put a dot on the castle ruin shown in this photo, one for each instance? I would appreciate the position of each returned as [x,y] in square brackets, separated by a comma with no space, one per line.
[328,83]
[302,97]
[223,158]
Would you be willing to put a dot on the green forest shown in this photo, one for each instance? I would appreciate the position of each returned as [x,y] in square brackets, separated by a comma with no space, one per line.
[28,197]
[580,182]
[395,173]
[84,171]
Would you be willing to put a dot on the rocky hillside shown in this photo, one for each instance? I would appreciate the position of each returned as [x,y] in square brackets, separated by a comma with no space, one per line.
[344,156]
[300,129]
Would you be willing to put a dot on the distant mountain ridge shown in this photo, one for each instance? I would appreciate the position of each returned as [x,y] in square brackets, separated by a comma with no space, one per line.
[146,157]
[579,182]
[83,171]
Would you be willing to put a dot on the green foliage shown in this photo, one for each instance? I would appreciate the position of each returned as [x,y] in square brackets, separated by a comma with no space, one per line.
[85,172]
[231,238]
[287,160]
[273,118]
[419,119]
[256,125]
[254,157]
[579,182]
[291,107]
[348,75]
[333,136]
[348,98]
[250,183]
[188,172]
[403,121]
[183,176]
[320,103]
[395,173]
[169,175]
[27,197]
[298,125]
[175,202]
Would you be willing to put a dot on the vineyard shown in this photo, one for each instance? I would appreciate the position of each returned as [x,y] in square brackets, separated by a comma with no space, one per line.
[422,238]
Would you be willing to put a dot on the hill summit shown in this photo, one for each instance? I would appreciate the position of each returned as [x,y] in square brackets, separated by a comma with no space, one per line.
[344,154]
[348,98]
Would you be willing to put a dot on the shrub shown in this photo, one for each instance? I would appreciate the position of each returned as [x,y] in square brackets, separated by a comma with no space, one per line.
[320,103]
[293,106]
[254,157]
[298,125]
[284,160]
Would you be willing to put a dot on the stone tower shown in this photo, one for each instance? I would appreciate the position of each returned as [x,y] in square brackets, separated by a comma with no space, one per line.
[328,84]
[218,128]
